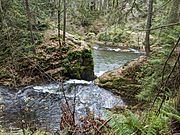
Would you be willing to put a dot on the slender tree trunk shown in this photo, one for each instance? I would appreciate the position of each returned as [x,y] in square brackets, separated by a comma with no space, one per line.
[1,15]
[100,5]
[148,27]
[92,5]
[105,6]
[64,23]
[113,3]
[174,12]
[95,4]
[59,27]
[117,3]
[1,10]
[29,20]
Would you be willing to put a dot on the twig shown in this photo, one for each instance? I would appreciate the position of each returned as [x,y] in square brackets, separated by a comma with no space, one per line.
[159,8]
[104,124]
[169,58]
[64,95]
[159,27]
[173,68]
[74,105]
[162,81]
[164,97]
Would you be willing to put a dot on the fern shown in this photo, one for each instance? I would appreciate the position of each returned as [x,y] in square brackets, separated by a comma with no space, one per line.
[149,123]
[169,110]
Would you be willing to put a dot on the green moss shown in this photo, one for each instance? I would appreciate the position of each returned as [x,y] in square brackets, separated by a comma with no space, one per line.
[73,55]
[104,37]
[65,49]
[121,82]
[65,61]
[4,74]
[87,53]
[49,50]
[74,72]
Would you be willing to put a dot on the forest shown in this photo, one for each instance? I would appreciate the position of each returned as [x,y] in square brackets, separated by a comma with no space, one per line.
[89,67]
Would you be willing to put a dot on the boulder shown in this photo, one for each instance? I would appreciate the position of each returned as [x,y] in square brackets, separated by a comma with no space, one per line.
[124,80]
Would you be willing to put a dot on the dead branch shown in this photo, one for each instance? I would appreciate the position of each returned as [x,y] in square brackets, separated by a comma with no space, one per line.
[162,81]
[105,123]
[160,27]
[169,58]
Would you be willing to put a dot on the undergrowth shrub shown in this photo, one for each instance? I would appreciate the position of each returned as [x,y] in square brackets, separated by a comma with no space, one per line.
[148,123]
[152,82]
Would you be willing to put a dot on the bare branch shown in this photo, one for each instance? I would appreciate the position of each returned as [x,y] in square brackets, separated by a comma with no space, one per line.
[160,27]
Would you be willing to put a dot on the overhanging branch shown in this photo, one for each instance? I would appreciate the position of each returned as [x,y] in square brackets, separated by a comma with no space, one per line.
[159,27]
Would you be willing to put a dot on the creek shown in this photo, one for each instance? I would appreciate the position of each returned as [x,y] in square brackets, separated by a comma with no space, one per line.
[39,105]
[108,58]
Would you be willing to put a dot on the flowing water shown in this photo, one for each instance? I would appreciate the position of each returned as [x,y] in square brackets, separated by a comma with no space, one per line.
[39,106]
[106,58]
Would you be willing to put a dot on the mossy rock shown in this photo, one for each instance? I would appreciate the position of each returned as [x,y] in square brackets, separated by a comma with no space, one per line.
[73,55]
[74,72]
[123,80]
[86,73]
[75,62]
[87,53]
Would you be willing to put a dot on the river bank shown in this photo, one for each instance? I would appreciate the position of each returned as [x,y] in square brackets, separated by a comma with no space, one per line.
[50,62]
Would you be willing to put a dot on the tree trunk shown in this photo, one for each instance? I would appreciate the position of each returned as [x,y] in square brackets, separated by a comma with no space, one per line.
[29,21]
[105,6]
[59,27]
[64,23]
[1,15]
[94,4]
[148,26]
[117,3]
[100,5]
[1,10]
[174,12]
[113,3]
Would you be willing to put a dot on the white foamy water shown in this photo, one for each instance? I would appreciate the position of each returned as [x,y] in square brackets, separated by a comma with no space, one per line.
[75,81]
[99,73]
[114,49]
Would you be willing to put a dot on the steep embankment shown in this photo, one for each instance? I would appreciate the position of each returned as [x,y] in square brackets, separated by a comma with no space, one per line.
[48,64]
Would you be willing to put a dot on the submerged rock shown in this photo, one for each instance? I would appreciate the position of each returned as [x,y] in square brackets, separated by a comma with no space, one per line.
[123,81]
[51,62]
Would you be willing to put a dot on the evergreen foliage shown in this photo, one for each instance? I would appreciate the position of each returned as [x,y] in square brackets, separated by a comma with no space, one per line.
[147,123]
